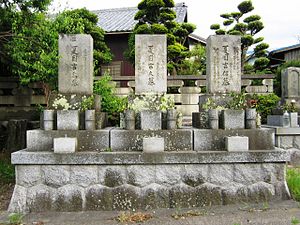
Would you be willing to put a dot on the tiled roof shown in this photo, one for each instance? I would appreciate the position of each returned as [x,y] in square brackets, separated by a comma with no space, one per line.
[122,19]
[285,49]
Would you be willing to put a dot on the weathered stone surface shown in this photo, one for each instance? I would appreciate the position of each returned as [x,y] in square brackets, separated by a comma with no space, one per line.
[237,143]
[64,145]
[113,176]
[153,144]
[99,197]
[137,158]
[75,64]
[260,192]
[150,120]
[273,172]
[39,198]
[259,139]
[126,197]
[275,120]
[39,140]
[67,120]
[290,82]
[69,198]
[84,175]
[232,119]
[182,196]
[150,64]
[141,176]
[175,140]
[220,174]
[248,173]
[154,196]
[28,176]
[166,175]
[195,175]
[18,200]
[223,63]
[56,176]
[233,194]
[208,194]
[286,142]
[295,157]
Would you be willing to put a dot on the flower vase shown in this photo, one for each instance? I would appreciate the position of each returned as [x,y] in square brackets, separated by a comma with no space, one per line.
[89,118]
[48,119]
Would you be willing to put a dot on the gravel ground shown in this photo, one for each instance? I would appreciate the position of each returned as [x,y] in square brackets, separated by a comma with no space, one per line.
[273,213]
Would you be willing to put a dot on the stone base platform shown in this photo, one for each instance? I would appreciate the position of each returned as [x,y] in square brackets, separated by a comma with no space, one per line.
[133,180]
[119,140]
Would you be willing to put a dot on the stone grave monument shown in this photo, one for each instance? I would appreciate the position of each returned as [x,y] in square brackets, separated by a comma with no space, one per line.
[110,171]
[290,85]
[223,53]
[150,64]
[75,64]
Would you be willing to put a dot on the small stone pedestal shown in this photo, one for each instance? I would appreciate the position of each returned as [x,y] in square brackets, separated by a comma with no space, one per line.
[65,145]
[236,143]
[153,144]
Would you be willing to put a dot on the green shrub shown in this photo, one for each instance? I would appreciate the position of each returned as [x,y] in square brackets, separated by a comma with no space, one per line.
[293,181]
[265,104]
[110,103]
[7,171]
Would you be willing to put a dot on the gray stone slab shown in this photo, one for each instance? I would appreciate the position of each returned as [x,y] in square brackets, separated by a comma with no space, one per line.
[64,145]
[213,140]
[135,158]
[223,53]
[40,140]
[175,140]
[290,82]
[75,73]
[153,144]
[151,120]
[232,119]
[150,64]
[67,120]
[275,120]
[237,143]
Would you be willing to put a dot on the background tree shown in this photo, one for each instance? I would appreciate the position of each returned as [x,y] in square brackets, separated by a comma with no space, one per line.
[9,10]
[82,21]
[34,47]
[247,28]
[195,64]
[158,17]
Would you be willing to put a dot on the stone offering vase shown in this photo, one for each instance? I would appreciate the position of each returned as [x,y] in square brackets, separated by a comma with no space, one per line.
[48,119]
[89,116]
[213,119]
[67,120]
[171,119]
[129,119]
[250,115]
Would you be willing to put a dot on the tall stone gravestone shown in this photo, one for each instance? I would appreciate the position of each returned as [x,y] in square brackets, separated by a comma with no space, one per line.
[75,74]
[150,64]
[223,55]
[290,81]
